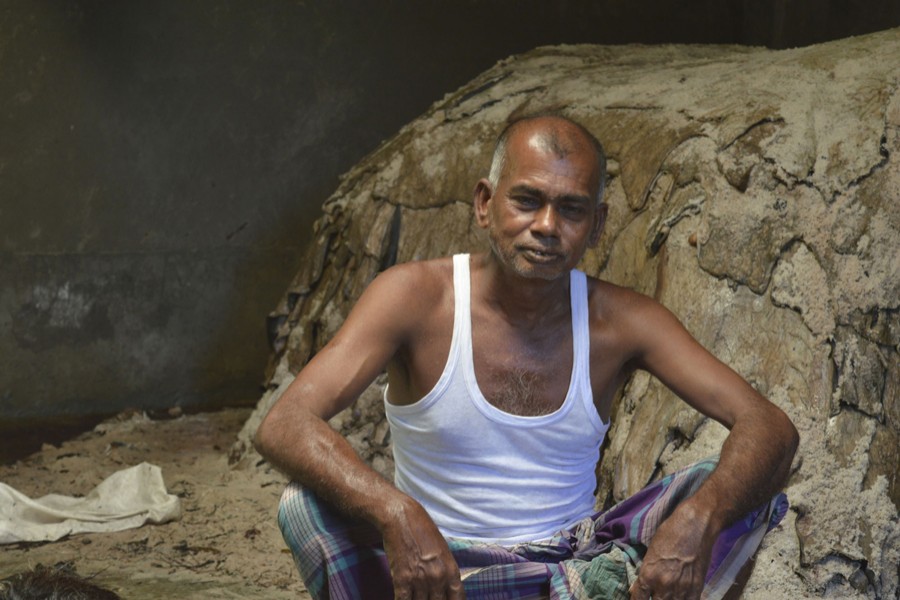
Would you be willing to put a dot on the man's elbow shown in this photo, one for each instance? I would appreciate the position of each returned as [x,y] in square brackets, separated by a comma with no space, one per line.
[263,439]
[790,437]
[794,435]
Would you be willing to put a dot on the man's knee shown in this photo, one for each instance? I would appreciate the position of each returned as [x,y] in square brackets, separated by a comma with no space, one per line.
[307,536]
[297,509]
[302,516]
[337,556]
[297,514]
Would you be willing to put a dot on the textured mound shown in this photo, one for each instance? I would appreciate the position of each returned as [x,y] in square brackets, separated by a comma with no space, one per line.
[755,193]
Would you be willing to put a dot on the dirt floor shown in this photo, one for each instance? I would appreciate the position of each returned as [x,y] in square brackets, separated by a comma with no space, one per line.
[226,544]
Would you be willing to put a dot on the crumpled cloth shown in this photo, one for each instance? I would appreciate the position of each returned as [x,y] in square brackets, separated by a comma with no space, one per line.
[124,500]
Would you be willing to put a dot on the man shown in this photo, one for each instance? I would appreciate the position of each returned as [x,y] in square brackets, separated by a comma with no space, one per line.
[502,369]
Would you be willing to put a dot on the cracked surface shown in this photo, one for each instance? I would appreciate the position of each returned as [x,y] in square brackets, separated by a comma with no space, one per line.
[755,193]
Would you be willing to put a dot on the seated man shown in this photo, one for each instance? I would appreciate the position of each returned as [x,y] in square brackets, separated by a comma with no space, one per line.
[502,368]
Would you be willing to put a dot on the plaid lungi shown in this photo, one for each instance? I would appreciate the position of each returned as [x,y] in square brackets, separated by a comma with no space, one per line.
[343,559]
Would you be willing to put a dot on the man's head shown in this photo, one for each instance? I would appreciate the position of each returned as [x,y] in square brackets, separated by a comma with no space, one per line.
[542,202]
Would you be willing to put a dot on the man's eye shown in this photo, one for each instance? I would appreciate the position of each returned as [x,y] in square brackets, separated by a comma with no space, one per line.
[526,201]
[574,210]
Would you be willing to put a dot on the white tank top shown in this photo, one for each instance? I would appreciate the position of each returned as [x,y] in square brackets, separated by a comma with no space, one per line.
[488,475]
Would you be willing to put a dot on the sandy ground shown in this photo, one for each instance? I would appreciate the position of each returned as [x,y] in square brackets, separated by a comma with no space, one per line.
[226,544]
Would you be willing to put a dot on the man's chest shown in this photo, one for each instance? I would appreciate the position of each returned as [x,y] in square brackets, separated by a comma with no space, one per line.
[518,371]
[523,372]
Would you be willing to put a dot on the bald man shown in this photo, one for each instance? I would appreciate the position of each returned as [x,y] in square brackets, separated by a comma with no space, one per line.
[502,368]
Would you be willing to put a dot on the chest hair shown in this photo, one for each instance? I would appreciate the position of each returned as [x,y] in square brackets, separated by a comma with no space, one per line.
[520,392]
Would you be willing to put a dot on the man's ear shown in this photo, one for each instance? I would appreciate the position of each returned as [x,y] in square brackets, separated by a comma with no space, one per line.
[599,223]
[484,191]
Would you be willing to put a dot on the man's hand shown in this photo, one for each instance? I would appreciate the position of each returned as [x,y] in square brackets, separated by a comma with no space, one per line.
[422,567]
[676,562]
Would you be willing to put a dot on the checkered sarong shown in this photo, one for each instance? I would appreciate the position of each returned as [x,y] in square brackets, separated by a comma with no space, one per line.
[343,559]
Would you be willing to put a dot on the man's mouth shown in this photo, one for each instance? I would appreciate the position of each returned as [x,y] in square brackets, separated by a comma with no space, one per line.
[539,255]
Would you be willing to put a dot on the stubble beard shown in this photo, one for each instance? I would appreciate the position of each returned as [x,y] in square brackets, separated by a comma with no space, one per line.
[513,261]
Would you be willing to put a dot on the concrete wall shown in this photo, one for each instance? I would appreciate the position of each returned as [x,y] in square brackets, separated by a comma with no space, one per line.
[161,163]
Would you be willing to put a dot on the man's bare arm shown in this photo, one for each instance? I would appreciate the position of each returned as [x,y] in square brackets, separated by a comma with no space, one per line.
[753,465]
[296,438]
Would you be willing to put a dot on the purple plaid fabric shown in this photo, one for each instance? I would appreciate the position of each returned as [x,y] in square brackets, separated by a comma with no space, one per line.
[340,558]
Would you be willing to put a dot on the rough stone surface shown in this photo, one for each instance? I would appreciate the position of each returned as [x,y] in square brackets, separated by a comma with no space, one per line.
[756,194]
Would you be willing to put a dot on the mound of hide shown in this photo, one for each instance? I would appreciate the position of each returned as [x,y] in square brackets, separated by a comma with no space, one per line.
[755,193]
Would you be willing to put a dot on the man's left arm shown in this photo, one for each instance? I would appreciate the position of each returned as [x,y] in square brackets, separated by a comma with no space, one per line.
[754,463]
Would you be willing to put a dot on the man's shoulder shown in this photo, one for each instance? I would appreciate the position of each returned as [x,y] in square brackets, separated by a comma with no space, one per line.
[604,294]
[420,282]
[435,271]
[615,304]
[631,318]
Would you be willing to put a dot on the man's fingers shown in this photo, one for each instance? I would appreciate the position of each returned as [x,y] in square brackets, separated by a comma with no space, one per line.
[457,591]
[430,586]
[639,591]
[402,593]
[419,591]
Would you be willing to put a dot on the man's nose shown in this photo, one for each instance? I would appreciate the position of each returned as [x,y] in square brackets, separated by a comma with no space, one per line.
[546,221]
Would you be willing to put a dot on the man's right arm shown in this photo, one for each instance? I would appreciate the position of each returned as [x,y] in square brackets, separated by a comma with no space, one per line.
[296,438]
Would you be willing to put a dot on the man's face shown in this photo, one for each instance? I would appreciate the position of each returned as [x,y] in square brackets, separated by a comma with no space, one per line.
[543,214]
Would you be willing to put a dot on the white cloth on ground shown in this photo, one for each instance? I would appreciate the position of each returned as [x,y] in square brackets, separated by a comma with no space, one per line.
[124,500]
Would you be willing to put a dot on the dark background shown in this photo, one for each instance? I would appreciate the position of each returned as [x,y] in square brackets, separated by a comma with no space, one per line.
[161,163]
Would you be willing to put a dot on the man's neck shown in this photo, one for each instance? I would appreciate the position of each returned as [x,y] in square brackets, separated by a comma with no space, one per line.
[524,302]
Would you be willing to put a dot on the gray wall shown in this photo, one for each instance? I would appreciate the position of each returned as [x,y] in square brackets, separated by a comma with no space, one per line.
[161,163]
